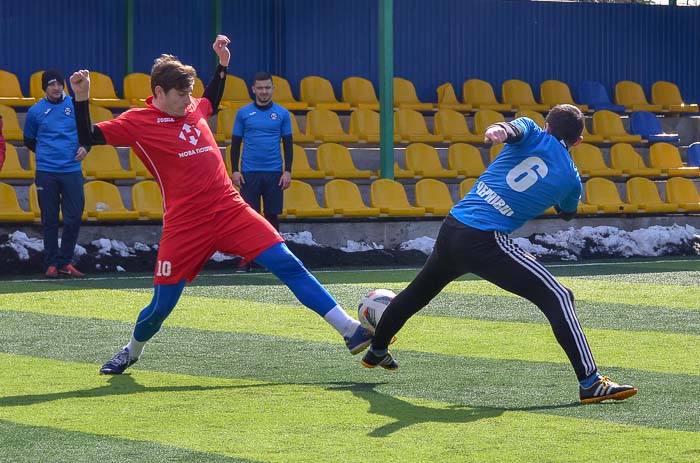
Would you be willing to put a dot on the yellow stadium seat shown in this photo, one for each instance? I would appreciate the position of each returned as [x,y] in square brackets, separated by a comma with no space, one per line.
[390,197]
[591,138]
[103,202]
[335,160]
[102,92]
[494,151]
[584,208]
[34,203]
[198,89]
[602,193]
[359,93]
[297,135]
[324,125]
[669,97]
[666,157]
[631,96]
[300,201]
[99,113]
[365,124]
[518,94]
[10,211]
[479,94]
[35,90]
[643,193]
[10,124]
[147,200]
[11,92]
[684,192]
[282,95]
[554,92]
[12,167]
[137,166]
[301,167]
[623,156]
[453,127]
[345,199]
[224,124]
[434,196]
[402,173]
[465,159]
[411,126]
[447,99]
[538,118]
[609,125]
[405,96]
[318,93]
[137,87]
[483,119]
[102,162]
[424,161]
[590,163]
[466,185]
[236,94]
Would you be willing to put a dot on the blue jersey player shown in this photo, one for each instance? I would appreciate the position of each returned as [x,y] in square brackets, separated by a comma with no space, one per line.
[532,173]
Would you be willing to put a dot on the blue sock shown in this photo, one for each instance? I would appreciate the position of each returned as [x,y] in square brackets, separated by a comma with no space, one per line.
[152,316]
[279,260]
[588,382]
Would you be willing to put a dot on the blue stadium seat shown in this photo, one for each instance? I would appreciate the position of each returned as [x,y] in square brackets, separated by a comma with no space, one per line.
[694,154]
[648,126]
[594,95]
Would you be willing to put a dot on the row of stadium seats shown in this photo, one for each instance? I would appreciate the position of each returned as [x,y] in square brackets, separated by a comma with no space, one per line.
[359,93]
[323,125]
[103,202]
[342,198]
[421,161]
[433,197]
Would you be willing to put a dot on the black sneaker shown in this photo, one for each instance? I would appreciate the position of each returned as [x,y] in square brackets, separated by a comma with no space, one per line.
[605,389]
[118,363]
[386,361]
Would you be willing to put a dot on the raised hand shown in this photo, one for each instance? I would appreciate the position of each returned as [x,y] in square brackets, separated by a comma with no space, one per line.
[220,47]
[80,83]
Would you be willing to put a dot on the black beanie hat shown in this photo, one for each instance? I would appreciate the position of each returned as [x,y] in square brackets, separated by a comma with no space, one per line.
[49,77]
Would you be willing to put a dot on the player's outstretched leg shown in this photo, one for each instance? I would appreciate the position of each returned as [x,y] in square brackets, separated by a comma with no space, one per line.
[150,319]
[383,359]
[279,260]
[598,388]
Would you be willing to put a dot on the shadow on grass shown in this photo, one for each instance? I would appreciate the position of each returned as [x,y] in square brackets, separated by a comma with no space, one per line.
[116,385]
[406,414]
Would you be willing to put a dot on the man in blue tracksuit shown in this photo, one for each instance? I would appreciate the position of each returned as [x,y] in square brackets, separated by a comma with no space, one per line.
[50,131]
[532,173]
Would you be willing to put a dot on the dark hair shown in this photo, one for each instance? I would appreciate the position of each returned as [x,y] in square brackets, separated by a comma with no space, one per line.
[261,76]
[168,72]
[565,123]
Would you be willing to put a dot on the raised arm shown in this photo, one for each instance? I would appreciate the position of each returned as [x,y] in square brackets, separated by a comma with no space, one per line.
[215,89]
[88,134]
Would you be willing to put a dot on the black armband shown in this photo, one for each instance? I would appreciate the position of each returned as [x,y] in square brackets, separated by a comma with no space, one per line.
[288,150]
[514,132]
[215,90]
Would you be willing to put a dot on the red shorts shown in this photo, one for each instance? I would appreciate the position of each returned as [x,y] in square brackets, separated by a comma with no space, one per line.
[185,249]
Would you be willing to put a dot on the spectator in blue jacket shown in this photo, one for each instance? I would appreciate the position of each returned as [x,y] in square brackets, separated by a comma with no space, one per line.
[50,131]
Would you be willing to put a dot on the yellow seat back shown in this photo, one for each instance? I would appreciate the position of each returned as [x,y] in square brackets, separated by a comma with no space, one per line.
[410,122]
[335,158]
[494,151]
[434,196]
[554,92]
[224,123]
[449,122]
[466,185]
[465,159]
[300,200]
[301,167]
[534,115]
[588,157]
[137,166]
[517,93]
[422,159]
[343,194]
[642,191]
[624,156]
[10,124]
[666,93]
[484,118]
[137,87]
[359,92]
[405,96]
[682,190]
[100,196]
[478,92]
[601,191]
[386,193]
[146,199]
[198,90]
[101,158]
[9,206]
[323,122]
[664,156]
[608,123]
[12,168]
[101,86]
[628,93]
[236,92]
[315,90]
[99,114]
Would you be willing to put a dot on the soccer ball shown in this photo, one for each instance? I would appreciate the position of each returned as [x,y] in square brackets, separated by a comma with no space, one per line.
[372,307]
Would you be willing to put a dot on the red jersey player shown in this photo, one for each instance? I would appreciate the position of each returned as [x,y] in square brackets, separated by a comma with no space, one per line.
[203,213]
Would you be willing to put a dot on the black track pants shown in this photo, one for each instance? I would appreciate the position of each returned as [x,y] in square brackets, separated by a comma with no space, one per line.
[460,249]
